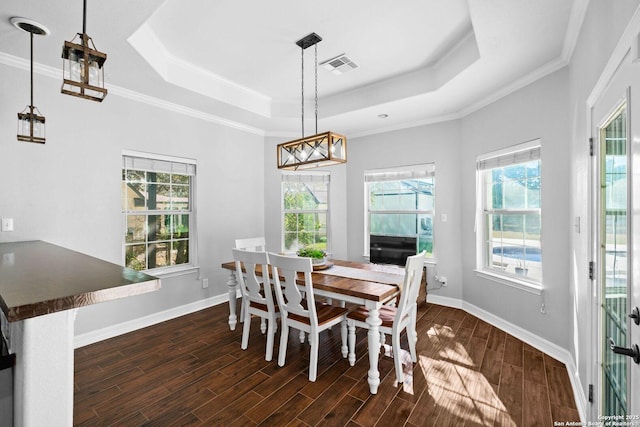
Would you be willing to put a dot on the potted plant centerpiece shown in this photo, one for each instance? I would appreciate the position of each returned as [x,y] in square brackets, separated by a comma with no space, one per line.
[318,256]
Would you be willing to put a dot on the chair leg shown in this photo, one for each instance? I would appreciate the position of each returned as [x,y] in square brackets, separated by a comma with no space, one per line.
[270,336]
[352,343]
[284,336]
[313,357]
[397,362]
[412,347]
[263,325]
[343,337]
[412,337]
[301,335]
[246,329]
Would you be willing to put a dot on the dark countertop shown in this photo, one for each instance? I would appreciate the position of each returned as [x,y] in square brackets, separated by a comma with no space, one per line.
[38,278]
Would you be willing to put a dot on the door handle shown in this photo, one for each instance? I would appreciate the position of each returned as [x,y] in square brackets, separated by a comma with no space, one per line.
[635,315]
[633,352]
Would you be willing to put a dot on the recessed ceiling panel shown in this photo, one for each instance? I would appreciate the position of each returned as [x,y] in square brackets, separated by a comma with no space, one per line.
[252,43]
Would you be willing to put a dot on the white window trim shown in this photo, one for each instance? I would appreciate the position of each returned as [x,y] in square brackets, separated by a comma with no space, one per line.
[298,176]
[423,170]
[193,265]
[534,287]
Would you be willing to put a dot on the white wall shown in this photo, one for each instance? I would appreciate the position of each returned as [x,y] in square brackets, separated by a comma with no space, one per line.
[539,110]
[68,191]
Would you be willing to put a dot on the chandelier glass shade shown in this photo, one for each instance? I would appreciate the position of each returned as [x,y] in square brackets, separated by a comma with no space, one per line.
[323,149]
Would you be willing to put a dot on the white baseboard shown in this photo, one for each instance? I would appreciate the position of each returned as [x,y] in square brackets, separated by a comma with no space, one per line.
[142,322]
[533,340]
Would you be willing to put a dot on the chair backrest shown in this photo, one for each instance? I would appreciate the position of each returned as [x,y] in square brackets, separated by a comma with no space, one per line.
[285,276]
[413,270]
[251,243]
[250,284]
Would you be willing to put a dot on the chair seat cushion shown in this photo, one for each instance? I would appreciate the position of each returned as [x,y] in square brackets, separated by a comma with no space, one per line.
[387,315]
[325,312]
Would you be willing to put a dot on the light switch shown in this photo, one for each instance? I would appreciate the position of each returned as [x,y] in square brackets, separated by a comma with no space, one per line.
[443,217]
[7,224]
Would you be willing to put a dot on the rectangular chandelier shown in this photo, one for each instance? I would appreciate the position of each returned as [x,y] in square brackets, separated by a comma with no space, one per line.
[323,149]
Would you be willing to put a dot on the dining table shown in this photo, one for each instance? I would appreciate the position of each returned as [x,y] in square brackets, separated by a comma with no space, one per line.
[369,285]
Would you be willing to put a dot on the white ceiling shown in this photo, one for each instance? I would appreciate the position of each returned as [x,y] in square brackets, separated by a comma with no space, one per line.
[420,61]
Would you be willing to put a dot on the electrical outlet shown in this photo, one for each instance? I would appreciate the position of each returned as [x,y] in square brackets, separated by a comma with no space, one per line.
[443,280]
[205,283]
[543,309]
[7,224]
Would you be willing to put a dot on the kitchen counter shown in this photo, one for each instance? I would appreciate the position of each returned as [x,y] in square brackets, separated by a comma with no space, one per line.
[41,288]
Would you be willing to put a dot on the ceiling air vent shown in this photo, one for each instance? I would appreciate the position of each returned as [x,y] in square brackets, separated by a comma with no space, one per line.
[339,64]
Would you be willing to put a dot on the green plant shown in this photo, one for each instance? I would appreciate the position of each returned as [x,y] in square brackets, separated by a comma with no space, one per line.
[312,253]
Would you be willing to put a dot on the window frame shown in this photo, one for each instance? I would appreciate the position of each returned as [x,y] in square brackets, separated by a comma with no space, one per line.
[519,154]
[423,170]
[152,162]
[306,177]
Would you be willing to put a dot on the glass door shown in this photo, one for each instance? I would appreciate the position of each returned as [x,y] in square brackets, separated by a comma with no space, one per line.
[614,261]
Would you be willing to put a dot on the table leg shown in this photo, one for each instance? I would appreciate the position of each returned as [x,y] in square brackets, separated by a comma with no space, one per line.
[233,284]
[374,322]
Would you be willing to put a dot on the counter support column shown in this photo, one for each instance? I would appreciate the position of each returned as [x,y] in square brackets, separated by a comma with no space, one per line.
[43,383]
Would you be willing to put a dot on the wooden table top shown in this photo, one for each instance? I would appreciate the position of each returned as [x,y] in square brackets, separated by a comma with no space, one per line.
[38,278]
[366,289]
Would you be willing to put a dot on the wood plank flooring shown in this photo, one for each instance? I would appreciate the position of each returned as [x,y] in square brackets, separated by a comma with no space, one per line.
[190,371]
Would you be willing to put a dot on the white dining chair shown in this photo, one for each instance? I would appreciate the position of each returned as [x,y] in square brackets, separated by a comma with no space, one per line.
[252,244]
[395,319]
[257,295]
[301,313]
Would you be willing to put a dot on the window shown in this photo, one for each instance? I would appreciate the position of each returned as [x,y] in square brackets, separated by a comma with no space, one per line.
[510,235]
[157,194]
[400,203]
[305,198]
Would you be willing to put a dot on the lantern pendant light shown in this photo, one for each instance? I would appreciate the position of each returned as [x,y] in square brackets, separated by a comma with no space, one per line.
[321,149]
[30,121]
[82,66]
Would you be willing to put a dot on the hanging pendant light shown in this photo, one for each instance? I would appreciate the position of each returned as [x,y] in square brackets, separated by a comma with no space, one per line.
[82,66]
[30,121]
[321,149]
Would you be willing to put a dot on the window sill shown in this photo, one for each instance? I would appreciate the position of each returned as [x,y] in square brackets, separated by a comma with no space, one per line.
[511,281]
[165,273]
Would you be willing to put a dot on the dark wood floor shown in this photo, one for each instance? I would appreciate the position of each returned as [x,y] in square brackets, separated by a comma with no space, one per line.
[191,371]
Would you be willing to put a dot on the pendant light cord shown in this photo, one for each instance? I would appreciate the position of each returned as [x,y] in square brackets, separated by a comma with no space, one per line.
[302,48]
[302,85]
[31,33]
[84,17]
[316,62]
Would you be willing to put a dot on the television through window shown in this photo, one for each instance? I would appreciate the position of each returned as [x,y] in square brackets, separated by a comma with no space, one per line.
[391,249]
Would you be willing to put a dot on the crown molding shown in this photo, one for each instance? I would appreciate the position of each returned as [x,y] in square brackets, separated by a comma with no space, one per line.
[45,70]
